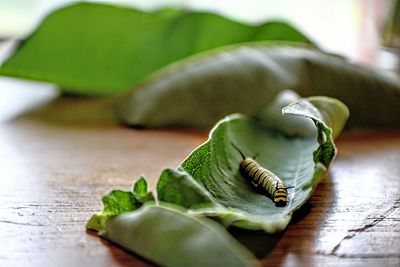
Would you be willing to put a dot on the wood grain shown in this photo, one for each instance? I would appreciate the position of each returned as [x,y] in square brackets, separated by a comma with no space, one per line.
[58,159]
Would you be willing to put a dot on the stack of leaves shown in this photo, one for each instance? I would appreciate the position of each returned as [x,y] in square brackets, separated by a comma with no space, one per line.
[208,184]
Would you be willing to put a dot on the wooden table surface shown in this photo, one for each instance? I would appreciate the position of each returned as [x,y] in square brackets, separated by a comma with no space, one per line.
[58,156]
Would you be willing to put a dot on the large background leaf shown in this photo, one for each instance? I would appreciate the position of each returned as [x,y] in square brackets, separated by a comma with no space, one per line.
[300,161]
[99,49]
[199,91]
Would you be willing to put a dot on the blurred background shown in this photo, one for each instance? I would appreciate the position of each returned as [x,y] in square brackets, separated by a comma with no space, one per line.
[364,31]
[351,28]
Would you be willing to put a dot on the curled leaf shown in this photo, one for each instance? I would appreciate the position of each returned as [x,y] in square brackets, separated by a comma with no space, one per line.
[300,161]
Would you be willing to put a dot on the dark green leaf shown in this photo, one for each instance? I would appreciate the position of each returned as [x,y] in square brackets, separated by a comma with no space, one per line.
[116,202]
[140,191]
[119,201]
[98,49]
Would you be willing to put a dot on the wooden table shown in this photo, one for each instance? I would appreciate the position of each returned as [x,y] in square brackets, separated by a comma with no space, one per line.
[58,156]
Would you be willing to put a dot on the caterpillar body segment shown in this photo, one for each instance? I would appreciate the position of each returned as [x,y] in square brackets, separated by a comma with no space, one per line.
[274,186]
[266,179]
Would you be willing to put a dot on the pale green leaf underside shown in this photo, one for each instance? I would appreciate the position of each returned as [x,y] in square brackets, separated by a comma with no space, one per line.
[299,161]
[97,49]
[169,237]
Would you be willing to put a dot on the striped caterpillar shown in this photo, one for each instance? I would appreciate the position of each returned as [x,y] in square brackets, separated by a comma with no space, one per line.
[274,186]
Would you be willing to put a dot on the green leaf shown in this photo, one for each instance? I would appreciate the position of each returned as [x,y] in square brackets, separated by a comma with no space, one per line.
[140,191]
[169,237]
[116,202]
[209,183]
[191,194]
[119,201]
[247,78]
[300,161]
[97,49]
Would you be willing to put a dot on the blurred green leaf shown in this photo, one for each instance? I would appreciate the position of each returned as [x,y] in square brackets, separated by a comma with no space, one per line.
[390,31]
[198,91]
[97,49]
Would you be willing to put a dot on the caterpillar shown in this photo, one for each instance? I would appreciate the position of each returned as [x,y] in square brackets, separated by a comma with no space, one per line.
[274,186]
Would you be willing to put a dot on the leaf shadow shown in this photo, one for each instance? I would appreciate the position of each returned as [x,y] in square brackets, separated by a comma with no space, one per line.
[71,110]
[262,243]
[301,213]
[258,242]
